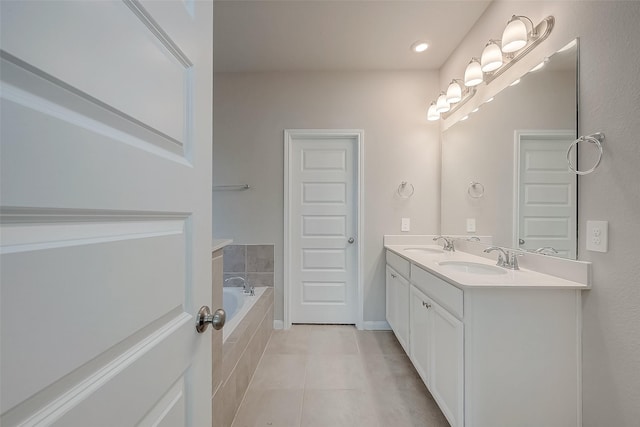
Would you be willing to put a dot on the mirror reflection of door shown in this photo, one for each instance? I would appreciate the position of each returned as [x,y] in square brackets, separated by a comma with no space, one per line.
[546,217]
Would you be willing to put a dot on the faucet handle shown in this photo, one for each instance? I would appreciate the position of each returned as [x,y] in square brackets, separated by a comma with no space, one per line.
[512,262]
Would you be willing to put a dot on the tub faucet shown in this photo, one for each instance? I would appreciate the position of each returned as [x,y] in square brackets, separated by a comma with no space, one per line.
[246,288]
[448,243]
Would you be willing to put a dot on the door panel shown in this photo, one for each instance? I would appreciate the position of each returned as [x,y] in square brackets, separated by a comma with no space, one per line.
[547,194]
[105,257]
[323,209]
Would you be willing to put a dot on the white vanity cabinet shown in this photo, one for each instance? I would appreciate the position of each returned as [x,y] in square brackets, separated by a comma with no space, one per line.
[491,355]
[437,342]
[397,302]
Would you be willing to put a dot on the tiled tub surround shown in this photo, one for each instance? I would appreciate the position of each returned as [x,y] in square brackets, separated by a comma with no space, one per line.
[241,353]
[254,263]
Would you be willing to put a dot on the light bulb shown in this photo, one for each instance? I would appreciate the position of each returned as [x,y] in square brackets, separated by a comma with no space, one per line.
[514,36]
[432,114]
[454,93]
[491,58]
[473,74]
[442,106]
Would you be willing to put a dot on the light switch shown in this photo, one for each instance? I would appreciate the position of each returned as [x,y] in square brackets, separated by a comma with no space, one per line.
[406,224]
[598,236]
[471,225]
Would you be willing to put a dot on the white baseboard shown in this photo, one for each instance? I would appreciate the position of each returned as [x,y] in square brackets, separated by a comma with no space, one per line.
[278,324]
[376,325]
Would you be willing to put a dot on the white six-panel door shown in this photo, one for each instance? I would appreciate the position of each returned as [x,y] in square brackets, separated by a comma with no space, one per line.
[322,227]
[106,212]
[546,202]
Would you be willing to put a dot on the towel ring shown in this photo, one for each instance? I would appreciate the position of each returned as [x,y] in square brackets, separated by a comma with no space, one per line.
[475,190]
[403,192]
[596,138]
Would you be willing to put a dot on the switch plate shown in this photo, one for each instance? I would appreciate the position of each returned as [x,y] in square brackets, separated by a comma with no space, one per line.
[471,225]
[598,236]
[406,224]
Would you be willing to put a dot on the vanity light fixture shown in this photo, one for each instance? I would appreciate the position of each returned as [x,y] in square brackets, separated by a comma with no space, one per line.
[432,114]
[515,36]
[497,57]
[419,46]
[473,74]
[491,58]
[454,92]
[442,106]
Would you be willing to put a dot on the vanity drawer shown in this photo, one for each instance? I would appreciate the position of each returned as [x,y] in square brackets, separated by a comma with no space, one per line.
[444,293]
[399,264]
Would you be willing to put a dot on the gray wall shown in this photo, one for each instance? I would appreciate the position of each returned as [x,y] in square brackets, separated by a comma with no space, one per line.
[609,102]
[251,110]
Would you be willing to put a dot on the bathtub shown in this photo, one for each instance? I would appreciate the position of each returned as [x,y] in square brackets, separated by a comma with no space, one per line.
[236,305]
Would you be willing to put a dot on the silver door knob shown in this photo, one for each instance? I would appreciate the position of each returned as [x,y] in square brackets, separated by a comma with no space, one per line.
[351,240]
[205,317]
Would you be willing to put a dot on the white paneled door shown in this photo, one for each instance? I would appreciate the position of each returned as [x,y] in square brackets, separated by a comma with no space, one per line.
[106,212]
[322,226]
[546,211]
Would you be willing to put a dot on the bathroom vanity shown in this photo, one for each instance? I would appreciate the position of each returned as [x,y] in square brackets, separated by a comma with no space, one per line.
[495,347]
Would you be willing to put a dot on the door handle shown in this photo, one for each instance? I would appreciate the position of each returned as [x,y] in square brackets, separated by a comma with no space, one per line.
[205,317]
[351,240]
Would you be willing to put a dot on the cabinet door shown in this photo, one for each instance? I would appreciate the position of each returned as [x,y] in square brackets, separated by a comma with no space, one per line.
[391,298]
[401,286]
[447,363]
[420,332]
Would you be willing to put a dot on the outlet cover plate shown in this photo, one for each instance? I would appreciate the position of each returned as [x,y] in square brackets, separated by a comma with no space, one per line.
[597,236]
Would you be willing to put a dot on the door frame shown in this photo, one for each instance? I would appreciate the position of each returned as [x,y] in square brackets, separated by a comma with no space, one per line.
[289,136]
[518,136]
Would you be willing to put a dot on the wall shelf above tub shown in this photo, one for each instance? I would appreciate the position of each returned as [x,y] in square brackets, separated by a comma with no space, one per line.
[236,187]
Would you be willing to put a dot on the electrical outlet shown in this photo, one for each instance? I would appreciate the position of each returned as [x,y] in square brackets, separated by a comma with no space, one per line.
[597,236]
[406,224]
[471,225]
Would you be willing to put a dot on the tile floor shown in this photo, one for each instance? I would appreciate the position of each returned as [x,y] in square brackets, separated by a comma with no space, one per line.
[335,376]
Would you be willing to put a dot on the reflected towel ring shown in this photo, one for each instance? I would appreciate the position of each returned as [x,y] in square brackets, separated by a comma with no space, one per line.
[403,192]
[475,190]
[596,138]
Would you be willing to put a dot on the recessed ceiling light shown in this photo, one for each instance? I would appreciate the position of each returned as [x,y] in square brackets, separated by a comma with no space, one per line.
[419,46]
[515,82]
[488,100]
[464,118]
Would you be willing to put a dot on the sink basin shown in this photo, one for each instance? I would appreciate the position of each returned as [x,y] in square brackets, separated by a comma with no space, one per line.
[425,250]
[471,267]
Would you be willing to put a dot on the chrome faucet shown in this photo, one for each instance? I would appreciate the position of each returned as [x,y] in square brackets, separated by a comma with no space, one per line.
[246,288]
[507,259]
[448,243]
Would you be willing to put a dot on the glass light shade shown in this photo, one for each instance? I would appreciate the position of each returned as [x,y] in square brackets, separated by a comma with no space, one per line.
[514,36]
[491,58]
[432,114]
[442,106]
[454,93]
[473,74]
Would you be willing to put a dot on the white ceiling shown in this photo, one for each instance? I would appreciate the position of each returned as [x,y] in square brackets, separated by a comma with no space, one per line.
[266,35]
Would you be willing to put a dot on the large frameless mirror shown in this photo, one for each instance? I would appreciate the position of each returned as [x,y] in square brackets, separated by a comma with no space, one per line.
[504,168]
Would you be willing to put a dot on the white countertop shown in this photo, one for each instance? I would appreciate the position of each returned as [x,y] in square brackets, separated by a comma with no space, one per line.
[219,244]
[522,278]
